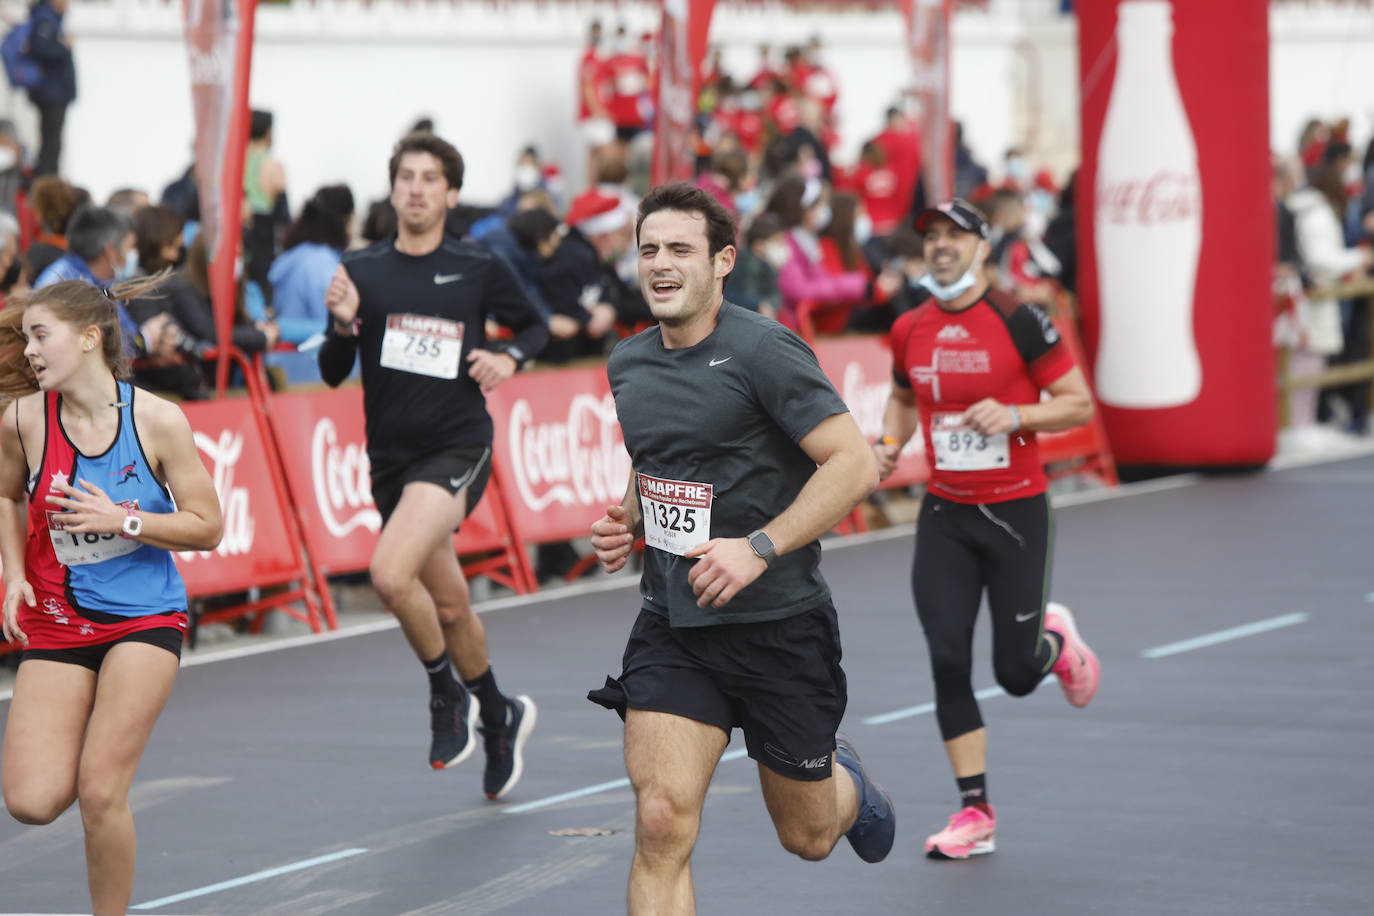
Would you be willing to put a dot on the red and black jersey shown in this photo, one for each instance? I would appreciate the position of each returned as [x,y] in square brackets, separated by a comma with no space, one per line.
[995,348]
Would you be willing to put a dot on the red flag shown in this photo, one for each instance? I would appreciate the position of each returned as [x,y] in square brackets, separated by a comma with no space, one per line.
[219,40]
[681,49]
[928,41]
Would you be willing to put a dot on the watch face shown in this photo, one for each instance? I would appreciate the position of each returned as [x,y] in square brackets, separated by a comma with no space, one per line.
[133,526]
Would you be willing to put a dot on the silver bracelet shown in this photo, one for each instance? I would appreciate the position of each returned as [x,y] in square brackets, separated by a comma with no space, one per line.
[1015,417]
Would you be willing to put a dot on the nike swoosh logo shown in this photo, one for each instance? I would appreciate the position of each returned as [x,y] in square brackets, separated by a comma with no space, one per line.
[717,362]
[441,279]
[455,482]
[1022,618]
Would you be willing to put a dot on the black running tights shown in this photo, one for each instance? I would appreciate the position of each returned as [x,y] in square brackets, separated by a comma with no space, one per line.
[960,550]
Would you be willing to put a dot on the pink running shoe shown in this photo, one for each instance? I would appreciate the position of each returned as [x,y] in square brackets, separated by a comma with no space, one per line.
[1077,667]
[970,833]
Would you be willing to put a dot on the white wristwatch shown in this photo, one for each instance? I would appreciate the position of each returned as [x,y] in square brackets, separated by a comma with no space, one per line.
[133,525]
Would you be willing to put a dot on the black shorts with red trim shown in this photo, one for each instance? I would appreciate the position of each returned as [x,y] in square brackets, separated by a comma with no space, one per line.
[59,632]
[778,680]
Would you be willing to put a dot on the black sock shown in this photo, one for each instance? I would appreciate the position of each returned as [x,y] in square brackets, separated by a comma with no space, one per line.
[973,790]
[493,703]
[1056,644]
[442,683]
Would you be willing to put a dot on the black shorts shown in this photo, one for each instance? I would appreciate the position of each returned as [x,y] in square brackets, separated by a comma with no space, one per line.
[465,467]
[780,681]
[93,657]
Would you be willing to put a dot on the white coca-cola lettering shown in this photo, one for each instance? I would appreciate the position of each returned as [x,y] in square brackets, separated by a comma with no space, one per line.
[1148,222]
[1163,197]
[343,490]
[223,454]
[578,462]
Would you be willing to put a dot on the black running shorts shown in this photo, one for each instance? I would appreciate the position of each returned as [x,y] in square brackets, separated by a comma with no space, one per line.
[92,657]
[466,467]
[780,681]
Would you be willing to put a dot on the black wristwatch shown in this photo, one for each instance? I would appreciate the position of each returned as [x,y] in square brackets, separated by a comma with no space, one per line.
[762,545]
[516,354]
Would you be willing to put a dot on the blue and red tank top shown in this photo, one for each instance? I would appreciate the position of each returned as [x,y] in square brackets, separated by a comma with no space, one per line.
[99,572]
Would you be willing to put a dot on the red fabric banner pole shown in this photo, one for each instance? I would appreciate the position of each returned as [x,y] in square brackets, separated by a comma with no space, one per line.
[682,37]
[219,39]
[928,41]
[1176,229]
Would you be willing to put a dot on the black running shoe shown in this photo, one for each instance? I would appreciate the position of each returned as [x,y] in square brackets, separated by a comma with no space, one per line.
[875,829]
[505,747]
[453,722]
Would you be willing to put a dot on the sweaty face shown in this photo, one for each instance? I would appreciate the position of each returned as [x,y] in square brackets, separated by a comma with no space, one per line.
[53,348]
[420,193]
[950,250]
[677,275]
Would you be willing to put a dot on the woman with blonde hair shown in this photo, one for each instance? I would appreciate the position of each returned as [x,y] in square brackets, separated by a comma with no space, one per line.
[89,470]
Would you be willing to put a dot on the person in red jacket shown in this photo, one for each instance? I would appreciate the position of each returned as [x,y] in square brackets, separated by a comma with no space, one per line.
[971,365]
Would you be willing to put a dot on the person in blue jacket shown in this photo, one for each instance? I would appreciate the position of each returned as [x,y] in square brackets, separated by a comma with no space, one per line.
[51,47]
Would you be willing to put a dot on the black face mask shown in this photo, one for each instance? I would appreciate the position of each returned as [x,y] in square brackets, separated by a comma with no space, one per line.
[11,276]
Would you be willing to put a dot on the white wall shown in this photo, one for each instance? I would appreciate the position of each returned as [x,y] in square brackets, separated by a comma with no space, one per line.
[344,81]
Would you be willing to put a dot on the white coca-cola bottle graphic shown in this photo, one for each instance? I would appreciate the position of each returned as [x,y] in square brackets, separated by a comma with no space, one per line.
[1148,208]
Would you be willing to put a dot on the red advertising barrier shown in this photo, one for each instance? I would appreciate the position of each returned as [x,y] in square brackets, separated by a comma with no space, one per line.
[559,452]
[861,370]
[260,547]
[1176,229]
[324,455]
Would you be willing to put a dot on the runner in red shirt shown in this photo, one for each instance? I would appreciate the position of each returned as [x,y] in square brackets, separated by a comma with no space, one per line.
[628,74]
[971,364]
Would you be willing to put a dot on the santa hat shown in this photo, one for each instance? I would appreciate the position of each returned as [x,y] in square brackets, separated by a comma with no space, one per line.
[594,213]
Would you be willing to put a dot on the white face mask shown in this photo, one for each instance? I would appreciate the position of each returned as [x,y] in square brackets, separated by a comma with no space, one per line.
[527,176]
[954,290]
[820,218]
[863,228]
[8,159]
[777,255]
[1352,175]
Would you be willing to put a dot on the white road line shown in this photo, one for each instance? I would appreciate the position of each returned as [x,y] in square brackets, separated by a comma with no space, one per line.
[250,879]
[597,789]
[1211,639]
[924,709]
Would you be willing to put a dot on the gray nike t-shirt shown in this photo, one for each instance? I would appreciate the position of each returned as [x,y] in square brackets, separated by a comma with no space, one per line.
[725,414]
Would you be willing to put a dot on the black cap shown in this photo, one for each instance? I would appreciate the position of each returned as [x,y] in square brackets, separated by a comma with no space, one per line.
[960,212]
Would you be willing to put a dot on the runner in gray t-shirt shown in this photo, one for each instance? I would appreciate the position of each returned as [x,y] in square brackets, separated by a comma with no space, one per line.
[743,456]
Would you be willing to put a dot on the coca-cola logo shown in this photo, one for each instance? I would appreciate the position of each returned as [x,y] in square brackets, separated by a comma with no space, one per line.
[1164,197]
[580,461]
[223,455]
[867,402]
[343,491]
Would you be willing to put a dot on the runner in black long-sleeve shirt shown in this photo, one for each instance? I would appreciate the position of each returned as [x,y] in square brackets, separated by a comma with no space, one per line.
[416,307]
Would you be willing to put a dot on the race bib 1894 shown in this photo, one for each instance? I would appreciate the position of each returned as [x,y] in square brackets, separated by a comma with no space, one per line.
[677,513]
[423,345]
[959,447]
[73,549]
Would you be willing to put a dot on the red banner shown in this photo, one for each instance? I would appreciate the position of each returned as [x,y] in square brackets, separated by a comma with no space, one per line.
[257,548]
[682,37]
[861,370]
[558,451]
[219,40]
[1175,229]
[927,38]
[324,443]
